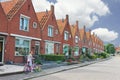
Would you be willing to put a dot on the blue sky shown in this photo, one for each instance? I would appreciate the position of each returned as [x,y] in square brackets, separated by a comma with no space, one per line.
[111,21]
[101,16]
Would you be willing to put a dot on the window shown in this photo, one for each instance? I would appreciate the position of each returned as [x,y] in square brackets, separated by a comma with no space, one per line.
[34,25]
[50,31]
[76,53]
[22,46]
[76,39]
[70,35]
[49,48]
[66,35]
[24,23]
[56,31]
[37,47]
[66,50]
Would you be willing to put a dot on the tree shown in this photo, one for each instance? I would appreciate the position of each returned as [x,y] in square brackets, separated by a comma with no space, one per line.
[110,48]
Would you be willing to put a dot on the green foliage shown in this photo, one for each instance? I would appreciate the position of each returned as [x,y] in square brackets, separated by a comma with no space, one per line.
[81,57]
[104,55]
[91,56]
[37,59]
[110,48]
[52,57]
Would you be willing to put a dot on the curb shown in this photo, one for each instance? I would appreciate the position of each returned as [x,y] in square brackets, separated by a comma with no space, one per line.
[78,66]
[5,74]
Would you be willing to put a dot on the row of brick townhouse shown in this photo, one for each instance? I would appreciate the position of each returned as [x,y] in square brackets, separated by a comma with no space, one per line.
[23,30]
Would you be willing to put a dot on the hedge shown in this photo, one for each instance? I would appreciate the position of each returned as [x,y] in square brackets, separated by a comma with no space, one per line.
[52,57]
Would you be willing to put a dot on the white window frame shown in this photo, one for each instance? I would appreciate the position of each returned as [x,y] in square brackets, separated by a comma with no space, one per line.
[66,35]
[50,31]
[23,16]
[76,39]
[47,45]
[21,45]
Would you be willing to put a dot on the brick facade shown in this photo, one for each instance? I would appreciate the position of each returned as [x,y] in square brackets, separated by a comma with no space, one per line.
[21,9]
[22,30]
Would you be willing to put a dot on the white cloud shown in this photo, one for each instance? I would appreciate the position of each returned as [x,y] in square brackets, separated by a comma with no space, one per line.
[105,34]
[86,11]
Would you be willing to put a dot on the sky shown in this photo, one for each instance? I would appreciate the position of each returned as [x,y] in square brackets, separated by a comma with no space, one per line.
[101,16]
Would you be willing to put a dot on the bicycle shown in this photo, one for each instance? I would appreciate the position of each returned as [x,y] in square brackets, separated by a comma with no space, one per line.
[35,68]
[27,68]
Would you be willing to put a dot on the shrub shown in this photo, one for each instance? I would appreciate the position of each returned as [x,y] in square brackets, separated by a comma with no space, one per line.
[104,55]
[37,59]
[91,56]
[52,57]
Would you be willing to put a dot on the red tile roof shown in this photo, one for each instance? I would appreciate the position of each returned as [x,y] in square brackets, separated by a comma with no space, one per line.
[88,35]
[82,32]
[61,25]
[117,48]
[11,7]
[43,17]
[73,29]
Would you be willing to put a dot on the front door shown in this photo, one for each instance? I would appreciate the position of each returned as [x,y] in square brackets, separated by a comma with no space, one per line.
[1,49]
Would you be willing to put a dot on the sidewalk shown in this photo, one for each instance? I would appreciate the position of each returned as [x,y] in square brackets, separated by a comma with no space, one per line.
[13,69]
[10,69]
[60,69]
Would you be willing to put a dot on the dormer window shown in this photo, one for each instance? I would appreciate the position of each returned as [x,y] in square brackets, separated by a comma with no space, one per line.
[50,31]
[24,23]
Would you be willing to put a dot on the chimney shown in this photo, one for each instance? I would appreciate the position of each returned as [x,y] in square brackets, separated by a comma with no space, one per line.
[90,31]
[84,27]
[52,8]
[46,11]
[62,20]
[67,17]
[77,23]
[93,33]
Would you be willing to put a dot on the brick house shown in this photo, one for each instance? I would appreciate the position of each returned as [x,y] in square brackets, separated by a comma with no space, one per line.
[90,44]
[3,34]
[93,43]
[65,35]
[51,41]
[23,29]
[76,39]
[84,41]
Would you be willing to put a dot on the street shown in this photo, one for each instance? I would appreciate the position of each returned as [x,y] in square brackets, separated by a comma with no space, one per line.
[106,70]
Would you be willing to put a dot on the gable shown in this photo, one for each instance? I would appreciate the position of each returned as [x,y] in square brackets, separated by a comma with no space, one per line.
[61,25]
[12,7]
[2,12]
[3,20]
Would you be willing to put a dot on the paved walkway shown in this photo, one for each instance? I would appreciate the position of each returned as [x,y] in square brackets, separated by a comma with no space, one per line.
[8,69]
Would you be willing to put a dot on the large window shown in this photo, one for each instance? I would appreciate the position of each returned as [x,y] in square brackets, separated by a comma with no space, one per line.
[66,35]
[66,50]
[24,23]
[22,46]
[49,48]
[50,31]
[76,52]
[76,39]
